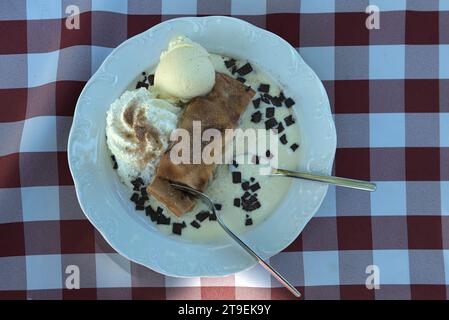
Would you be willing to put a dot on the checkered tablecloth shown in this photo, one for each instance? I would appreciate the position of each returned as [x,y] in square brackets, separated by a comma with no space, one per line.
[389,91]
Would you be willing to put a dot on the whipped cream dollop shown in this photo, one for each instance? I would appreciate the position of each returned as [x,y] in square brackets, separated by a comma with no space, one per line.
[138,127]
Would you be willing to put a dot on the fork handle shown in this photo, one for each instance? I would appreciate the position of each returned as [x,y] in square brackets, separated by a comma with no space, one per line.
[242,244]
[264,264]
[279,278]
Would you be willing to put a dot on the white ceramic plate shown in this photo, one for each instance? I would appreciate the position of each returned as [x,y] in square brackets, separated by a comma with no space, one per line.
[104,199]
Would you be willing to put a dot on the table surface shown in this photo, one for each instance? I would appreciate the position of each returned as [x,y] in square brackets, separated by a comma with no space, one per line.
[389,92]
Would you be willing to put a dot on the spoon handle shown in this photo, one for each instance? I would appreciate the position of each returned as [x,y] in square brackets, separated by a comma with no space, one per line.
[341,182]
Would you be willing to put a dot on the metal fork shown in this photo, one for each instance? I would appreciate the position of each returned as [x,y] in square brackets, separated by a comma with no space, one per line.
[264,264]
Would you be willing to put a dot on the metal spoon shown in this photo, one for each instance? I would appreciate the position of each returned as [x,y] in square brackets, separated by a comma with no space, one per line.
[341,182]
[264,264]
[337,181]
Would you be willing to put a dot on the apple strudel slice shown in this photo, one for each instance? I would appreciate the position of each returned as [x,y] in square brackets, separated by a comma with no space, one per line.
[221,110]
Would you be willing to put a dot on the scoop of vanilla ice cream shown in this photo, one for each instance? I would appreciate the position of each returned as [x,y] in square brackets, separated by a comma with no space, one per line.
[138,128]
[185,70]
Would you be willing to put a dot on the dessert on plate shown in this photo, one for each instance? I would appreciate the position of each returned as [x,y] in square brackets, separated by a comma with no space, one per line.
[188,86]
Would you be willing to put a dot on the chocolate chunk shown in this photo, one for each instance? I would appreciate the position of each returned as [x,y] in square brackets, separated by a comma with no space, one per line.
[245,69]
[256,117]
[251,207]
[217,206]
[255,187]
[245,196]
[144,73]
[282,96]
[161,219]
[294,146]
[280,127]
[195,224]
[248,221]
[264,88]
[143,192]
[255,160]
[246,206]
[251,204]
[184,224]
[256,103]
[242,80]
[269,112]
[159,210]
[149,211]
[137,183]
[235,164]
[115,166]
[265,98]
[229,63]
[203,215]
[113,158]
[251,200]
[237,202]
[289,120]
[289,102]
[177,228]
[134,197]
[255,206]
[270,123]
[212,217]
[140,207]
[268,154]
[151,79]
[283,139]
[236,177]
[276,101]
[252,179]
[248,88]
[234,69]
[248,203]
[141,84]
[141,201]
[245,185]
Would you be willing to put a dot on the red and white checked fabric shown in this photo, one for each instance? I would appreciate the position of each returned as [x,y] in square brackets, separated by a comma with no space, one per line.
[389,91]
